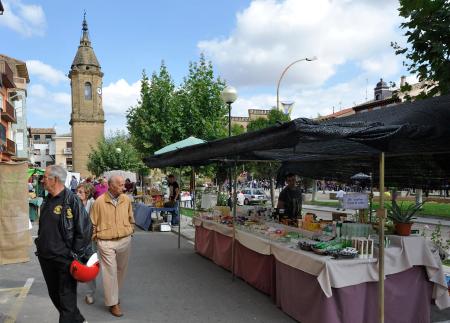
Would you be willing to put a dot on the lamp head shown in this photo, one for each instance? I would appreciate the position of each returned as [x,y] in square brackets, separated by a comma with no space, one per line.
[229,94]
[310,59]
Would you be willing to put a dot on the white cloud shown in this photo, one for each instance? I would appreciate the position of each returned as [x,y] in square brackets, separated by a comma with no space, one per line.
[386,65]
[46,72]
[47,108]
[270,34]
[26,19]
[119,96]
[310,102]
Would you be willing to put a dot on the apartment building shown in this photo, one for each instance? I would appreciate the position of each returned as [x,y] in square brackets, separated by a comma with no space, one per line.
[42,144]
[63,151]
[13,98]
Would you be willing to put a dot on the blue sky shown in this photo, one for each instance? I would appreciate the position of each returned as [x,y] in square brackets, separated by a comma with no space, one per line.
[249,43]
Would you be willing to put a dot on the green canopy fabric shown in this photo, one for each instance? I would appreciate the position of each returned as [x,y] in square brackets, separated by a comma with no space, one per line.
[35,171]
[191,141]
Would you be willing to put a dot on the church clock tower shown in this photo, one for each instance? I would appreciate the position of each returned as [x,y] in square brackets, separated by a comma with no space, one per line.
[87,118]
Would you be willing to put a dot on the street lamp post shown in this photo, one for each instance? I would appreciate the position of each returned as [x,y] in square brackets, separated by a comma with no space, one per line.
[308,59]
[229,95]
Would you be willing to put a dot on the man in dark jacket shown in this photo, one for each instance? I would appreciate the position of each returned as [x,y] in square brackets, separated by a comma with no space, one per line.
[65,233]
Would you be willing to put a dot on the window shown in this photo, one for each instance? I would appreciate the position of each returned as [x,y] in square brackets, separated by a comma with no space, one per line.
[68,144]
[87,91]
[37,137]
[47,152]
[48,137]
[69,161]
[2,133]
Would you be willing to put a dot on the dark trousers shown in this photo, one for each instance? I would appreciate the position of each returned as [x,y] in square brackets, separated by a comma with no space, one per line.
[62,288]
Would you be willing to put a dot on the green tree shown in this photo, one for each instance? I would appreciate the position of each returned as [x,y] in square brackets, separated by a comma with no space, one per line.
[202,111]
[427,25]
[275,116]
[115,153]
[237,129]
[153,122]
[264,170]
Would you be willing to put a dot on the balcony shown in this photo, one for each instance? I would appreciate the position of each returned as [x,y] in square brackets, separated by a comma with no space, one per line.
[7,75]
[9,114]
[67,151]
[8,148]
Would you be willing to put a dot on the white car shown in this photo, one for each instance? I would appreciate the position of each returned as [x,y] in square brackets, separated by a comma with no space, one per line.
[254,195]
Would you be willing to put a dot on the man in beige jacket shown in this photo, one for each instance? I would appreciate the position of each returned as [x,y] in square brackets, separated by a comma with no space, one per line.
[113,221]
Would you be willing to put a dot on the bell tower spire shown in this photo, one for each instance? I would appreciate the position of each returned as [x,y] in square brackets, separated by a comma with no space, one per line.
[87,118]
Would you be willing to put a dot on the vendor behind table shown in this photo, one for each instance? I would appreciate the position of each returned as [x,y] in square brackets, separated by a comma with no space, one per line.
[290,201]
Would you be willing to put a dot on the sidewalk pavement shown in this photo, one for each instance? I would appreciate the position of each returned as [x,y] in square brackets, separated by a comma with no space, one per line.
[163,284]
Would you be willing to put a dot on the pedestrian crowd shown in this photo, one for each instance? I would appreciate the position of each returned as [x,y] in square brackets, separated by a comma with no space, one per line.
[89,219]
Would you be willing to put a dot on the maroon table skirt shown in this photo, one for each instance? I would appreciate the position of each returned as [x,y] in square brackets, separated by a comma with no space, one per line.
[407,294]
[256,269]
[407,298]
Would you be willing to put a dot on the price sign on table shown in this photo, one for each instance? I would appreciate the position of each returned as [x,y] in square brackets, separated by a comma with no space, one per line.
[356,201]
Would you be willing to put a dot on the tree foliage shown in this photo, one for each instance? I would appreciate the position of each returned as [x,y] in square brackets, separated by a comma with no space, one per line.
[266,170]
[153,121]
[114,153]
[275,116]
[427,25]
[203,113]
[166,114]
[237,129]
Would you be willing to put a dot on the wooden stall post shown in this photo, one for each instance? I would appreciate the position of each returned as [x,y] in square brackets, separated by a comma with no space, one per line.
[381,213]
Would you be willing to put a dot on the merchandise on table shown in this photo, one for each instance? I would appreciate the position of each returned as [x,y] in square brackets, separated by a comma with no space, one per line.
[323,237]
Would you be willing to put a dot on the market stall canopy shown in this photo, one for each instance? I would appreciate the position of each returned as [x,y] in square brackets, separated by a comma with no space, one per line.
[35,171]
[414,136]
[180,144]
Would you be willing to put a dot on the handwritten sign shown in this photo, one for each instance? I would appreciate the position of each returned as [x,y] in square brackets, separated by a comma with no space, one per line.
[356,201]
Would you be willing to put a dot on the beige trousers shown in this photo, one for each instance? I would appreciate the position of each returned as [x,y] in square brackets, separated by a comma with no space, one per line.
[114,263]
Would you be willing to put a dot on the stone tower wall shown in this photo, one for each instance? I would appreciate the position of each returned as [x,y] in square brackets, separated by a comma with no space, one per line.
[85,137]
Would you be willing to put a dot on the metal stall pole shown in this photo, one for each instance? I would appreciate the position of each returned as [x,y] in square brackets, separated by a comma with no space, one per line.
[179,214]
[381,213]
[193,192]
[234,220]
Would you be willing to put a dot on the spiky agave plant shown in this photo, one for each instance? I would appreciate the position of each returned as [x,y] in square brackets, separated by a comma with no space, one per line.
[399,214]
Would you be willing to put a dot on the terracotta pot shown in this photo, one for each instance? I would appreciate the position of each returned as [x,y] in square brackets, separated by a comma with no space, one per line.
[403,229]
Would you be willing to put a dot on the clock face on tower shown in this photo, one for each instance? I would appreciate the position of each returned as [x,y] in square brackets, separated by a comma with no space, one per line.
[99,91]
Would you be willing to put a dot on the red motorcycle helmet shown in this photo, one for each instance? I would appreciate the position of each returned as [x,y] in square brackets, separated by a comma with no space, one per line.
[83,273]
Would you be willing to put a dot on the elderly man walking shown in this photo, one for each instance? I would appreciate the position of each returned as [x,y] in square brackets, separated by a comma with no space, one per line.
[64,234]
[112,219]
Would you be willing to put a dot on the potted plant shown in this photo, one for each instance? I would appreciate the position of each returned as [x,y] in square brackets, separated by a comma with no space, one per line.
[402,216]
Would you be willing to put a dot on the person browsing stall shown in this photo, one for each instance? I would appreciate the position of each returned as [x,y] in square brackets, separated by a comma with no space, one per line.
[290,198]
[113,221]
[174,197]
[64,234]
[85,191]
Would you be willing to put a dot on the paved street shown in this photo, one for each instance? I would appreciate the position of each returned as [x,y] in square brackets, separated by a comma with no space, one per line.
[164,284]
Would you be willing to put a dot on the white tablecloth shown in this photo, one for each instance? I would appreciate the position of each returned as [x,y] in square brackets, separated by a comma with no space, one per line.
[404,253]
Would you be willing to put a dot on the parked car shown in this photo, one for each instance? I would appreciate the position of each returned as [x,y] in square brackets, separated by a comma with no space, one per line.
[254,195]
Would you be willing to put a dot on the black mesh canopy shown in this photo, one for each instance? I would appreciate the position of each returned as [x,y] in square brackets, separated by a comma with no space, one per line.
[414,136]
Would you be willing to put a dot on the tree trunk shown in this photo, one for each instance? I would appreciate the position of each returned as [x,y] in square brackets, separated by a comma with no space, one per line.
[272,192]
[418,196]
[314,190]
